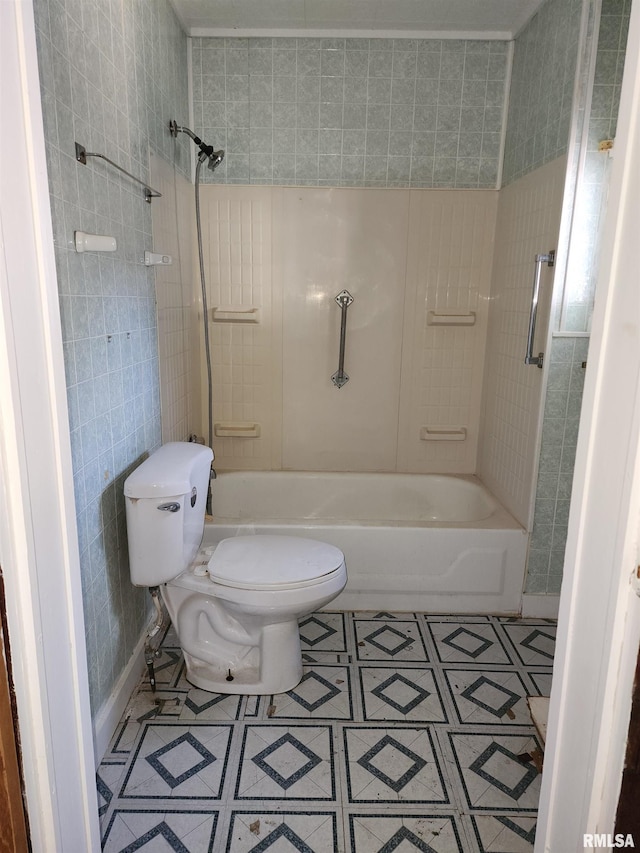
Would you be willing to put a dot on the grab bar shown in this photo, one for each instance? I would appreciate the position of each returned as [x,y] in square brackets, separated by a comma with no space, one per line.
[549,260]
[81,157]
[344,299]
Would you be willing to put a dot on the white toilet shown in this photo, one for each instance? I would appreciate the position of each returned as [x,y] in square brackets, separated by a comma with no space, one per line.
[235,610]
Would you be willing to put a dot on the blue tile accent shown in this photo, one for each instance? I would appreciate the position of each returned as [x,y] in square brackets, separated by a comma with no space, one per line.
[171,780]
[395,784]
[286,782]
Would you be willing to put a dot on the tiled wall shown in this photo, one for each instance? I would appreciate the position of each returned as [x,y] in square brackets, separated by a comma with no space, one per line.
[173,234]
[555,473]
[112,73]
[528,223]
[287,253]
[564,395]
[352,112]
[542,82]
[593,181]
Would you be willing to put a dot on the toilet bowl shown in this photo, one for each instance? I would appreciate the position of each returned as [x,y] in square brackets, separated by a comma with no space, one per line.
[235,610]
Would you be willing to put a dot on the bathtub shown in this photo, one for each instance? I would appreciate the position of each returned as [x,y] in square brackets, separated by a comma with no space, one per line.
[412,542]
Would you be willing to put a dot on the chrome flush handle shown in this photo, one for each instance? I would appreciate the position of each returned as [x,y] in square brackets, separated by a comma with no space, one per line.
[172,506]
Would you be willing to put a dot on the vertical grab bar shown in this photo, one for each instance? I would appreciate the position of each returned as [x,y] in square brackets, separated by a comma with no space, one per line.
[549,260]
[344,299]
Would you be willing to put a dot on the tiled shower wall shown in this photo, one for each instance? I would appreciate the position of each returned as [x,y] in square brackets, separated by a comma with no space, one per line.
[112,74]
[568,354]
[352,112]
[542,83]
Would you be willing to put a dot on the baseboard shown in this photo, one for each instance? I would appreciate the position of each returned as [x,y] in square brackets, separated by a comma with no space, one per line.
[111,712]
[540,606]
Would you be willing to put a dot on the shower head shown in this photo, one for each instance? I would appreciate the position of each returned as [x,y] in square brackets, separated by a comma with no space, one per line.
[206,151]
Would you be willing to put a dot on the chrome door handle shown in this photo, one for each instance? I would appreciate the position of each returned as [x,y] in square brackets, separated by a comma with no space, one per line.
[172,506]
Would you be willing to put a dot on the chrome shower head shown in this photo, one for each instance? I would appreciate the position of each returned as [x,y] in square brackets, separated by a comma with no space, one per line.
[206,151]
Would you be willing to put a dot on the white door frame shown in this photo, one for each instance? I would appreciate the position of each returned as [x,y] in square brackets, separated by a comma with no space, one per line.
[38,538]
[599,620]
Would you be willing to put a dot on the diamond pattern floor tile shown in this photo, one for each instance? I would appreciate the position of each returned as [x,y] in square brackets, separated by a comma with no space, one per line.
[287,762]
[407,733]
[460,642]
[392,765]
[487,699]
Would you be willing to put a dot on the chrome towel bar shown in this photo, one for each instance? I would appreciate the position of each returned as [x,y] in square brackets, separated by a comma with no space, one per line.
[81,157]
[344,299]
[549,260]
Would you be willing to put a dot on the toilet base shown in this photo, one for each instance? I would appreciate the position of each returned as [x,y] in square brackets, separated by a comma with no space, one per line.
[273,667]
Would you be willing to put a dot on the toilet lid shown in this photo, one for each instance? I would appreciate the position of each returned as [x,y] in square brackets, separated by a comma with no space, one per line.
[272,561]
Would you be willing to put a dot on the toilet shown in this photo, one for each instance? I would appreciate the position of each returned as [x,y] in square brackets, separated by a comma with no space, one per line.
[235,606]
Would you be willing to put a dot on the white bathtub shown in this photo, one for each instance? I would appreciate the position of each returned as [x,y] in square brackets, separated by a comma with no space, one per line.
[412,542]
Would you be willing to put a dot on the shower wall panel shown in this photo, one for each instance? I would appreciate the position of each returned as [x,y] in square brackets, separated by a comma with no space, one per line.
[450,252]
[528,223]
[330,240]
[285,253]
[246,360]
[173,234]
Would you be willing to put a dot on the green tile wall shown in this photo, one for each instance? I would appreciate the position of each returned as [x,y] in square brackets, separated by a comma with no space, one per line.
[352,112]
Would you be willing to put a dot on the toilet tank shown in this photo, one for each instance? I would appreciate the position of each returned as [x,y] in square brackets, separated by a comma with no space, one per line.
[165,500]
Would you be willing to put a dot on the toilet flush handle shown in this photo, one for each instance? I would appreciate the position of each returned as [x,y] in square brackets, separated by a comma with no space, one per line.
[172,506]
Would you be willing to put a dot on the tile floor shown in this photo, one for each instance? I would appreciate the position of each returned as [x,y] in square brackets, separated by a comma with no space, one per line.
[407,733]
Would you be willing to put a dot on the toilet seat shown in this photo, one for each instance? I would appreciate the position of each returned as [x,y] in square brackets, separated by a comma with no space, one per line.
[271,562]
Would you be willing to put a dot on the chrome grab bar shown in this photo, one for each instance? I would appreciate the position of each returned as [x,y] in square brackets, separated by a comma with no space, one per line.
[549,260]
[344,299]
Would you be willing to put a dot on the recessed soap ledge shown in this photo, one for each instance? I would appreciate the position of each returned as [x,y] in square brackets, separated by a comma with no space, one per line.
[233,314]
[444,433]
[451,318]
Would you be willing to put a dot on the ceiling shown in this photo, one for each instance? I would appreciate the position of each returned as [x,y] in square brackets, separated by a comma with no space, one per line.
[484,19]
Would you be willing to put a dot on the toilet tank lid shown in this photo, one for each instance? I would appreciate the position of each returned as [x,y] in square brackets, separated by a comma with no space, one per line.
[270,559]
[168,472]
